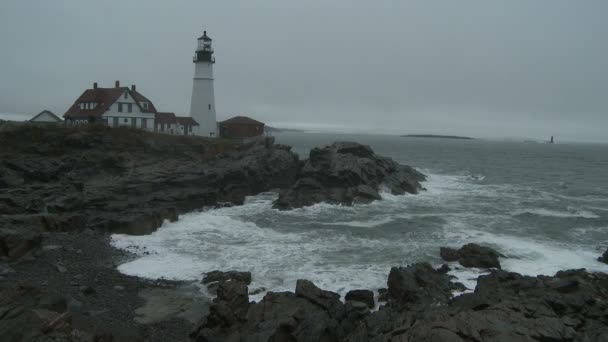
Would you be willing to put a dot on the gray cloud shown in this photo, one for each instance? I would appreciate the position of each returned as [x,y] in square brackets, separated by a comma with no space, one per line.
[510,68]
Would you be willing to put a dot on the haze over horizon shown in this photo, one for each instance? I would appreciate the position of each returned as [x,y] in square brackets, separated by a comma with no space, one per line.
[472,67]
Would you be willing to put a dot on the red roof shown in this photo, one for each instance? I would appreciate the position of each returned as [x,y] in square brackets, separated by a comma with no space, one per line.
[186,120]
[165,118]
[242,120]
[104,97]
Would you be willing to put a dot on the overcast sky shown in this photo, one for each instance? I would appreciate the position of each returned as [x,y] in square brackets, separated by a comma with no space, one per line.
[472,67]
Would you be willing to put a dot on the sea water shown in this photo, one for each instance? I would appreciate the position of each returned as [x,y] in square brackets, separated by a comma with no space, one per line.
[544,206]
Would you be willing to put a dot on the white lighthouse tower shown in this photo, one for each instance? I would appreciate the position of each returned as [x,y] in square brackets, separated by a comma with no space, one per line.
[202,106]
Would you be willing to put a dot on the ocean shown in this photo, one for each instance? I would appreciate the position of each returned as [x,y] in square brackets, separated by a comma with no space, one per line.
[544,206]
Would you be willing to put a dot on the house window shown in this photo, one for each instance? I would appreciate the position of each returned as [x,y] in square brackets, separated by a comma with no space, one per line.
[145,105]
[130,107]
[115,121]
[126,95]
[126,120]
[119,107]
[144,123]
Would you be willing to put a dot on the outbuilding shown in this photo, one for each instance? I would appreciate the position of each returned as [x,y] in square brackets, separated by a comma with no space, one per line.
[45,117]
[241,127]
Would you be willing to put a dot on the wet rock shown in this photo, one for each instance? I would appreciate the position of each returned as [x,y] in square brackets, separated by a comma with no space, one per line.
[444,269]
[219,276]
[310,316]
[419,284]
[472,255]
[347,173]
[382,295]
[259,290]
[328,300]
[604,257]
[363,296]
[166,304]
[87,290]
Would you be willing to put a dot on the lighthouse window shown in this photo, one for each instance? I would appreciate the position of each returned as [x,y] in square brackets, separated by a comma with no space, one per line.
[210,106]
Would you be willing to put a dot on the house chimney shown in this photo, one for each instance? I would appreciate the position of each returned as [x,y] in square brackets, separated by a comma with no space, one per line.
[133,88]
[117,84]
[94,85]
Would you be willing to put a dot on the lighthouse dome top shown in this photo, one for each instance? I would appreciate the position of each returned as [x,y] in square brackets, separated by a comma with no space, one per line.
[205,37]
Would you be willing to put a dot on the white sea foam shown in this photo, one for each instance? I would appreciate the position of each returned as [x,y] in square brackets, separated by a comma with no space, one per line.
[206,241]
[533,256]
[361,224]
[570,212]
[314,242]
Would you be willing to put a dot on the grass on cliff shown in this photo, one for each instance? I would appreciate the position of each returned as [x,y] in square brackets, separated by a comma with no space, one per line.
[56,140]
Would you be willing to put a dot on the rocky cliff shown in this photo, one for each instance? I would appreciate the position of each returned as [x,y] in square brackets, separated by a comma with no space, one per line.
[122,180]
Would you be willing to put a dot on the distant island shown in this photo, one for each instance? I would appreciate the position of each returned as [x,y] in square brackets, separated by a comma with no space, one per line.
[437,136]
[276,129]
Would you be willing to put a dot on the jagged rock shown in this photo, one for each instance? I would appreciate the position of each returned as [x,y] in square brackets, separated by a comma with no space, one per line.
[328,300]
[347,173]
[382,295]
[419,284]
[311,315]
[444,269]
[219,276]
[363,296]
[472,255]
[570,306]
[604,257]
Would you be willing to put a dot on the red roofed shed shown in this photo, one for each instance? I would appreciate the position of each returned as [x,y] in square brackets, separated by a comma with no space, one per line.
[240,127]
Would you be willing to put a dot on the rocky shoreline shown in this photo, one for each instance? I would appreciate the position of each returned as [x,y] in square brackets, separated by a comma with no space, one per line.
[64,191]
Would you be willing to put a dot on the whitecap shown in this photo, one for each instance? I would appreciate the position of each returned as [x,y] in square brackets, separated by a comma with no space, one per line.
[569,213]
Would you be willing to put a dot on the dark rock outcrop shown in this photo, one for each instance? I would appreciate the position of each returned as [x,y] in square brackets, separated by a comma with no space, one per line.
[363,296]
[122,180]
[419,284]
[347,173]
[311,314]
[604,257]
[219,276]
[472,255]
[570,306]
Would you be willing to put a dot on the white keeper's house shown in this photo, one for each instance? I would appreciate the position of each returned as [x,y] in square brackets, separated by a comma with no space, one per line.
[125,107]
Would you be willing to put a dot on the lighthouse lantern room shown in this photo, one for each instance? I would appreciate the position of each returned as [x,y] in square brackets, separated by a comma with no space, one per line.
[202,107]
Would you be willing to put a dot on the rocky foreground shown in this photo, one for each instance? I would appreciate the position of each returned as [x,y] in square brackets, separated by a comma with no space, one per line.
[505,306]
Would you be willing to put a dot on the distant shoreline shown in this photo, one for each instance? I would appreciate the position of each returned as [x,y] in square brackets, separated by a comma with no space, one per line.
[436,136]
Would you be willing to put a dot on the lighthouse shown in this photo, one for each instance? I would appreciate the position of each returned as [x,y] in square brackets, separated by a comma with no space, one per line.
[202,106]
